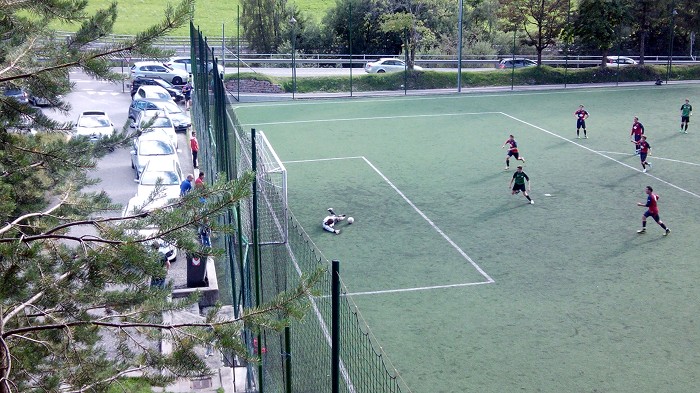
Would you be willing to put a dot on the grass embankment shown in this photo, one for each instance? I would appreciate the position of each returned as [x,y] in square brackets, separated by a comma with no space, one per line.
[543,75]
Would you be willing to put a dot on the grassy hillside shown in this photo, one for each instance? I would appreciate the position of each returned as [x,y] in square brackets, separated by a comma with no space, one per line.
[210,15]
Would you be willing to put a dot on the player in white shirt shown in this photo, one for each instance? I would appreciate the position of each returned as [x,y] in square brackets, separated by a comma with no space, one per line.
[330,221]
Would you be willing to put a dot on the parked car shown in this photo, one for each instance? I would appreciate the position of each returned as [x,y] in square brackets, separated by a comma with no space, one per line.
[175,93]
[17,93]
[150,120]
[184,63]
[387,65]
[139,204]
[169,173]
[154,145]
[152,69]
[94,125]
[620,60]
[39,100]
[181,120]
[515,63]
[147,91]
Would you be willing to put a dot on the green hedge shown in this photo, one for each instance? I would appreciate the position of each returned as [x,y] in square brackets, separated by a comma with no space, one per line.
[419,80]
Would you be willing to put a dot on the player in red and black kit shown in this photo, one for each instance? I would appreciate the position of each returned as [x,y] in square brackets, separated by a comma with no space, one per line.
[644,149]
[512,151]
[652,211]
[581,116]
[636,134]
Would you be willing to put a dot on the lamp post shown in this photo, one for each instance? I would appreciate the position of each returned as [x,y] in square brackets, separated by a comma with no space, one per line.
[670,45]
[293,23]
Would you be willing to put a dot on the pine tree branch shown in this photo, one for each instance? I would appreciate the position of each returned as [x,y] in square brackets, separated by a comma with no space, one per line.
[139,41]
[27,216]
[300,292]
[110,379]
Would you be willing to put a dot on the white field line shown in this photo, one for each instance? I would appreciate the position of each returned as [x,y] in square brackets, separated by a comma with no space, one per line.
[488,278]
[601,154]
[322,159]
[651,157]
[372,118]
[432,224]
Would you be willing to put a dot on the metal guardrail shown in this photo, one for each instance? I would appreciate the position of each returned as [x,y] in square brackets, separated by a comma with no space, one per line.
[180,46]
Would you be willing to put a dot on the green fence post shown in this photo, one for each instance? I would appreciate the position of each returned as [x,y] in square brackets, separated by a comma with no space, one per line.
[335,327]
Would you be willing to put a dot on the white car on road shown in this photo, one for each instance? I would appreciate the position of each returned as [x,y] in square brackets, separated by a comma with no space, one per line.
[387,65]
[153,69]
[94,125]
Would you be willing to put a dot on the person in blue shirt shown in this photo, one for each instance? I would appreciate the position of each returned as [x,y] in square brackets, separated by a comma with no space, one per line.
[186,185]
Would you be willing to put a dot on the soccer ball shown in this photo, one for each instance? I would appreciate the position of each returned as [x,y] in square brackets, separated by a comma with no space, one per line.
[350,220]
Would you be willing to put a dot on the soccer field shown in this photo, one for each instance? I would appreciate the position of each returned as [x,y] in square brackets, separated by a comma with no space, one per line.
[471,289]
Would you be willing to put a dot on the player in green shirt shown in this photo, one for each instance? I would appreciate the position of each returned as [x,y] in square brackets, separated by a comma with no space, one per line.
[686,112]
[519,177]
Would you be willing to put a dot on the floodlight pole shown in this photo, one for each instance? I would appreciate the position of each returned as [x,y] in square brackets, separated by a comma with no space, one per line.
[293,23]
[459,48]
[512,74]
[670,44]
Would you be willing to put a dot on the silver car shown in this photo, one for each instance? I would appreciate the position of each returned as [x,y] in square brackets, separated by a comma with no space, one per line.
[387,65]
[150,91]
[153,69]
[154,145]
[94,125]
[181,120]
[515,63]
[169,174]
[150,120]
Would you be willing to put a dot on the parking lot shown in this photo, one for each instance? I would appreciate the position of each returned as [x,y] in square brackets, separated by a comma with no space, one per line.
[114,170]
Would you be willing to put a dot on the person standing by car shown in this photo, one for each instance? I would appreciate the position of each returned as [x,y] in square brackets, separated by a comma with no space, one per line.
[686,112]
[581,116]
[194,145]
[187,92]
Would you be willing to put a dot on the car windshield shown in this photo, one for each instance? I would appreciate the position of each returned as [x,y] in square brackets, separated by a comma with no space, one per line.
[157,94]
[171,108]
[158,122]
[93,122]
[163,83]
[169,178]
[155,148]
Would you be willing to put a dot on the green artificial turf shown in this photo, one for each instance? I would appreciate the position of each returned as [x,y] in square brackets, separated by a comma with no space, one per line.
[470,289]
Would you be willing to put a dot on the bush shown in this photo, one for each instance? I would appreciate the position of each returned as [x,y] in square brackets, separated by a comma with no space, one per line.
[419,80]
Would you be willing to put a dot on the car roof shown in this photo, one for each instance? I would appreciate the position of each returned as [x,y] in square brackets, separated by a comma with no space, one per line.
[154,112]
[152,87]
[148,62]
[161,165]
[93,113]
[156,134]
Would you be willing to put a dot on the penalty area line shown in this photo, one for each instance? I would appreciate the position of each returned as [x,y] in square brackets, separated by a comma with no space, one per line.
[323,159]
[651,157]
[432,224]
[468,284]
